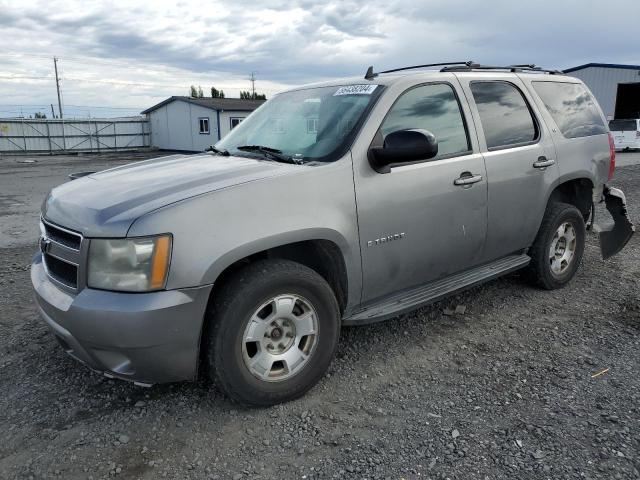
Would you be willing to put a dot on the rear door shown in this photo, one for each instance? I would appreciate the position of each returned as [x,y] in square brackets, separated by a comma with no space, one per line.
[519,156]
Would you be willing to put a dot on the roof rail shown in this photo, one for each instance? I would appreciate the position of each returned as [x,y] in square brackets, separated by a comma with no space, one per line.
[511,68]
[370,75]
[467,67]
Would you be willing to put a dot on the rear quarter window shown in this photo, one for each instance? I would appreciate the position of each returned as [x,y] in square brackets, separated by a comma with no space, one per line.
[573,109]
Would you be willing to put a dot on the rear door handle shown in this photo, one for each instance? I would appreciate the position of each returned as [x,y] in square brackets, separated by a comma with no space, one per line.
[543,162]
[467,179]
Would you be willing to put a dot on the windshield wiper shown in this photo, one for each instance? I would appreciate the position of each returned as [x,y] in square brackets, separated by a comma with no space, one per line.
[272,153]
[217,151]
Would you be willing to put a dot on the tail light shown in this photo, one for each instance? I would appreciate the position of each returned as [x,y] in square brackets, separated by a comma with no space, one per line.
[612,160]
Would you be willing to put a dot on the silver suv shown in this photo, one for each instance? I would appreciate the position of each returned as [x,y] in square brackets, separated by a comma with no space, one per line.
[341,203]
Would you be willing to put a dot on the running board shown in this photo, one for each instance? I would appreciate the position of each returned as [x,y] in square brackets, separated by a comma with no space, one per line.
[417,297]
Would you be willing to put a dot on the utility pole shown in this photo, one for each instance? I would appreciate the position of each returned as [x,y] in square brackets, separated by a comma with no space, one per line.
[53,113]
[253,84]
[55,66]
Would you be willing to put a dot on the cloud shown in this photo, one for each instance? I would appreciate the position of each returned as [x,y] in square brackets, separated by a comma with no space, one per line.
[132,54]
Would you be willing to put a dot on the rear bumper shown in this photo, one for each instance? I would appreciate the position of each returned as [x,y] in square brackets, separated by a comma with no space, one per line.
[146,338]
[614,239]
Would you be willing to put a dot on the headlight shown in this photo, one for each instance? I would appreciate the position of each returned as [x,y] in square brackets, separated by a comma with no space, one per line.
[129,265]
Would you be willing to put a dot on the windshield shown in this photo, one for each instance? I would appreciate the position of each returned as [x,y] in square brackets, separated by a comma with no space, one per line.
[316,124]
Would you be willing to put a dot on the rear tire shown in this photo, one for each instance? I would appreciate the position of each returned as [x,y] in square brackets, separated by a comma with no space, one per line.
[557,250]
[275,329]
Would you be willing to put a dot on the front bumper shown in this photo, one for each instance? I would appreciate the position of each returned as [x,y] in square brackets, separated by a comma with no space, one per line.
[141,337]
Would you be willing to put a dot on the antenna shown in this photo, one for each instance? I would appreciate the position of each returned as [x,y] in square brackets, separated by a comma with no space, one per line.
[370,75]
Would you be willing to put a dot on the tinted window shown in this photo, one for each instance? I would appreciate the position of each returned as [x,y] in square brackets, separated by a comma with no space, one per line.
[434,108]
[622,125]
[505,115]
[572,108]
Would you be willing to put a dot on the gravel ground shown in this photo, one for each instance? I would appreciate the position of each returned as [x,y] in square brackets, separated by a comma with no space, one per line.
[504,390]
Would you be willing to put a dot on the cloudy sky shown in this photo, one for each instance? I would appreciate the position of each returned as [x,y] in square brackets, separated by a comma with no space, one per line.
[128,55]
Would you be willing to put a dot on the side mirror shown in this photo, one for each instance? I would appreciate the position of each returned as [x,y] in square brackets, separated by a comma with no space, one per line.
[403,146]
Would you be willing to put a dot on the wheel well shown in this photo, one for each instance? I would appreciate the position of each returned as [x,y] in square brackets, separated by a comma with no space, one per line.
[322,256]
[576,192]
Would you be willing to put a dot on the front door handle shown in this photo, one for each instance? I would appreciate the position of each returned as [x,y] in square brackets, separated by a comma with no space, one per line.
[543,162]
[467,179]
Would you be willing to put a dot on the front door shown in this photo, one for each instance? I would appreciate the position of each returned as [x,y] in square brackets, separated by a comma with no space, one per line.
[422,221]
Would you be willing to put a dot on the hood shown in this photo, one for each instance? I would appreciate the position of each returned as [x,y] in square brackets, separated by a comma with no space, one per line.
[105,204]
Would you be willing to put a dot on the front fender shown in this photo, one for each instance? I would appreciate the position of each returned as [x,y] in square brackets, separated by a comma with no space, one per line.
[212,231]
[281,239]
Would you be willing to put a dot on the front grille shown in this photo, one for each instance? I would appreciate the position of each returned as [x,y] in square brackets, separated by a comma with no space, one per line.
[61,253]
[62,236]
[61,271]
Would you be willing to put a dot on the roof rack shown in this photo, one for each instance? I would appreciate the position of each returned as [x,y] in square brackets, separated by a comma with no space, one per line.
[370,75]
[467,67]
[529,67]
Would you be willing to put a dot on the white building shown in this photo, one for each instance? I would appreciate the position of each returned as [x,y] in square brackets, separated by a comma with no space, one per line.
[616,87]
[192,124]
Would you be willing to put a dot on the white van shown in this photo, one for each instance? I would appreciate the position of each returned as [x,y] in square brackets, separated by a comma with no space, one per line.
[626,133]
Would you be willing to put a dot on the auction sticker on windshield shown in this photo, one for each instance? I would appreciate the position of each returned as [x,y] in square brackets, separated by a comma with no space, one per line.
[356,90]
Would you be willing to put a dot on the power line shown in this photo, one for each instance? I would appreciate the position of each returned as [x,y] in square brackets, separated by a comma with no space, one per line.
[91,61]
[111,82]
[26,77]
[68,105]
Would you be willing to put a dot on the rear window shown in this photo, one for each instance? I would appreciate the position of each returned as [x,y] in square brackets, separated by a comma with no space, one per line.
[623,125]
[572,108]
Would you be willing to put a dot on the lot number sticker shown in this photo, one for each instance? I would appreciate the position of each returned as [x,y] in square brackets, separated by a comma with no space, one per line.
[356,90]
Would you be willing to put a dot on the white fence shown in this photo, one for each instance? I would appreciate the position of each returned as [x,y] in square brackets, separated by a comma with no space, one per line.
[26,135]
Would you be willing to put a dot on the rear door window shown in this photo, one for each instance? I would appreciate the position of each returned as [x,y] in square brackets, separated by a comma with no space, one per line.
[623,126]
[573,109]
[506,118]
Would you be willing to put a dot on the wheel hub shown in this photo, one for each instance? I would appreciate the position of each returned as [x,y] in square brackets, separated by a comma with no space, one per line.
[280,337]
[563,248]
[276,334]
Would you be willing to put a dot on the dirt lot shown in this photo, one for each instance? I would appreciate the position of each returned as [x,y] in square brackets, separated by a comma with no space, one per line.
[505,390]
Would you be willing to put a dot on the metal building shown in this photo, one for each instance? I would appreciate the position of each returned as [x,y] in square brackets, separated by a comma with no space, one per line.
[192,124]
[616,87]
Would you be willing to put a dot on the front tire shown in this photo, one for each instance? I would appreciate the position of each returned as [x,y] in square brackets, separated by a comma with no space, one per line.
[275,329]
[558,248]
